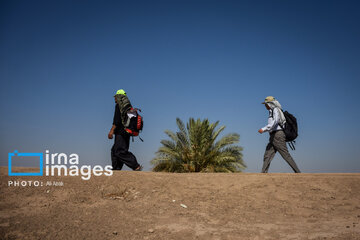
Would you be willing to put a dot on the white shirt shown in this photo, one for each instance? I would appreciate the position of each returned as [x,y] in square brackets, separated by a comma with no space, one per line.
[273,121]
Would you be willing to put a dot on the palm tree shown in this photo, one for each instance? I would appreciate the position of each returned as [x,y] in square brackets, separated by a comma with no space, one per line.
[193,149]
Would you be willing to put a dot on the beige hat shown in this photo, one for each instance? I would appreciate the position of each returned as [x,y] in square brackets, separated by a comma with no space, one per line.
[268,99]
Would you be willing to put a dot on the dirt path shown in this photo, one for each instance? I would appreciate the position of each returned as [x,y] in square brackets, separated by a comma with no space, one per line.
[146,205]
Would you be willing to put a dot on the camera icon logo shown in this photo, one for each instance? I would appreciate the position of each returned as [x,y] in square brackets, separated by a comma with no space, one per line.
[16,153]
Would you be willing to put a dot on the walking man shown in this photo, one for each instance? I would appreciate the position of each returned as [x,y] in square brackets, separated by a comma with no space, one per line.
[277,141]
[120,154]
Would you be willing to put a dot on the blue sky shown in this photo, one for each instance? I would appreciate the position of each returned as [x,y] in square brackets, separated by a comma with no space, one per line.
[62,61]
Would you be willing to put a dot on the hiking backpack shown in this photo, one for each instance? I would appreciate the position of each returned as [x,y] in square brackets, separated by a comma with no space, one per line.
[134,123]
[290,129]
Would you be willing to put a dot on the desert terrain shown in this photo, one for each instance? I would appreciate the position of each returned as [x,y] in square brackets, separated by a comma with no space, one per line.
[162,206]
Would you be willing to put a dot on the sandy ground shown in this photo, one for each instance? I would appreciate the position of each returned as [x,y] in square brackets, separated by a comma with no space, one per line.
[147,205]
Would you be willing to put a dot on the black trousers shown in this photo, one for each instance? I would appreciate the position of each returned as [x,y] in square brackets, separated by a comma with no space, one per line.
[120,154]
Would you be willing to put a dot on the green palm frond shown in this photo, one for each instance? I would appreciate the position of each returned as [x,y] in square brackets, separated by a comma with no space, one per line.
[194,149]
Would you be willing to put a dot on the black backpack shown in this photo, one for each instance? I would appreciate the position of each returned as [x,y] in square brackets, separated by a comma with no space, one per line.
[290,129]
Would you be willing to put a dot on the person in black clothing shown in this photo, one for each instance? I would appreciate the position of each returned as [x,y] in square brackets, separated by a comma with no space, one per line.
[120,154]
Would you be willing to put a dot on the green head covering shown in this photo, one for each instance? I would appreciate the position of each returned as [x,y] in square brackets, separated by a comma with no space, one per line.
[120,92]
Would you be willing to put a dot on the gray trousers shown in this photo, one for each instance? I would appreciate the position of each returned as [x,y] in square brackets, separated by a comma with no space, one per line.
[277,143]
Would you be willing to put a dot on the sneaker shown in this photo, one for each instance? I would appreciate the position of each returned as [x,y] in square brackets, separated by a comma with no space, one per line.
[139,168]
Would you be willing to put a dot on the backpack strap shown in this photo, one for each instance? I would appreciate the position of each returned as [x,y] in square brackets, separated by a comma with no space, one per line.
[291,145]
[282,127]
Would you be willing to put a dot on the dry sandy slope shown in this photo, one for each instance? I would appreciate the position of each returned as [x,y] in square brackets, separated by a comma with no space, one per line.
[139,205]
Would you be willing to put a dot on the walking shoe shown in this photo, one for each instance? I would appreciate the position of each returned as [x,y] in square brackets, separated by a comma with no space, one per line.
[139,168]
[116,169]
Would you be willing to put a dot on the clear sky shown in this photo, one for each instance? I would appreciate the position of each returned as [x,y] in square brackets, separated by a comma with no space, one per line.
[62,61]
